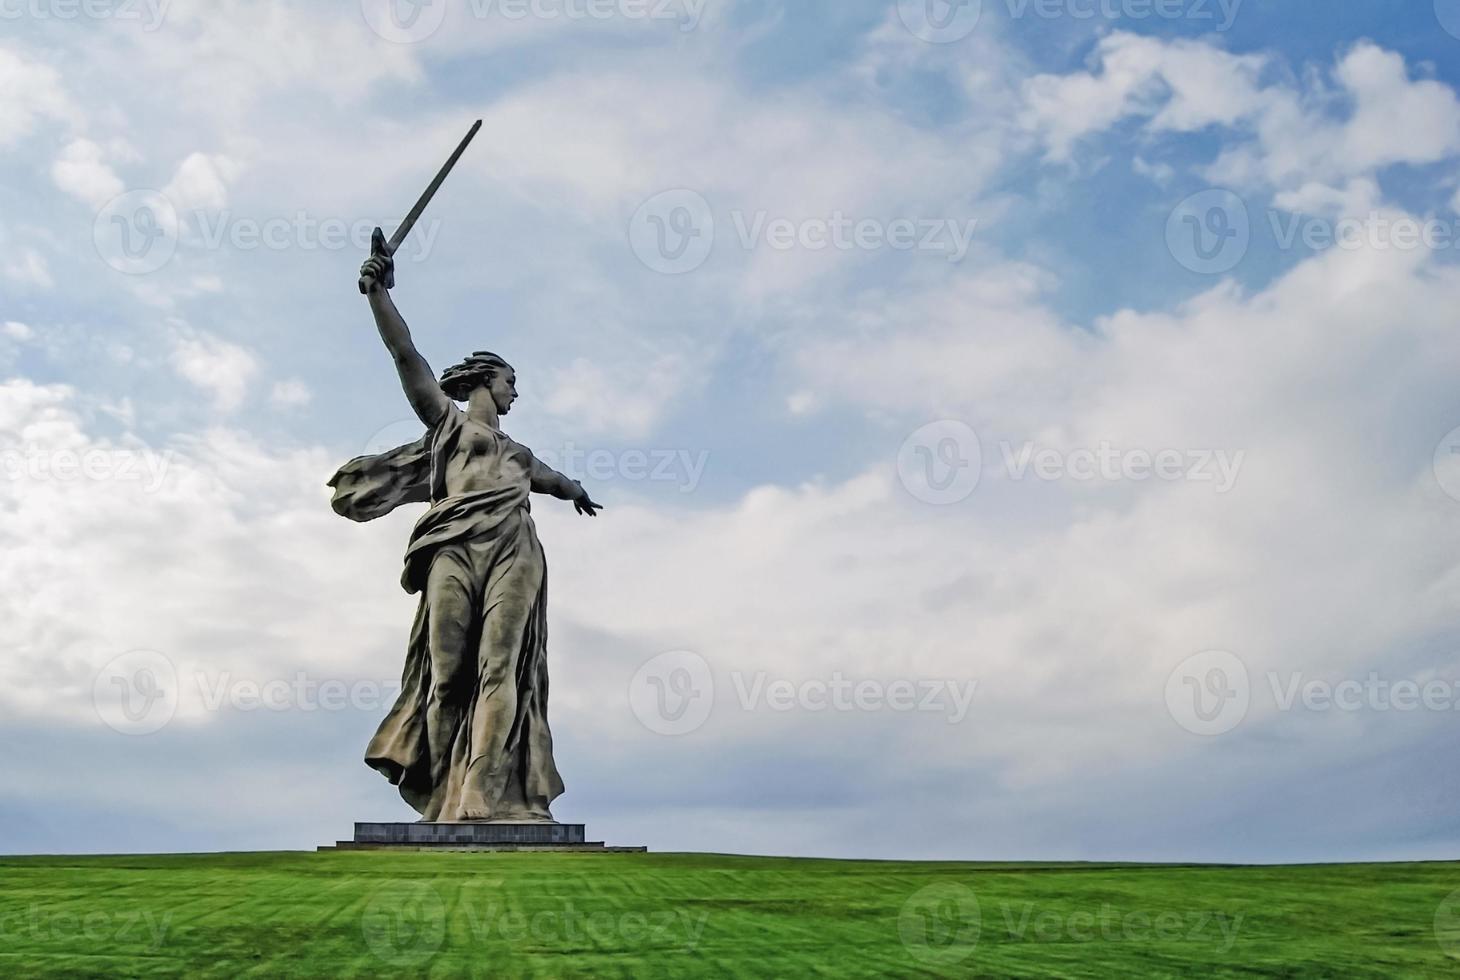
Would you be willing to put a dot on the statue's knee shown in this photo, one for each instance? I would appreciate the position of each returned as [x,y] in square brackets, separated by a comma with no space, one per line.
[448,685]
[499,669]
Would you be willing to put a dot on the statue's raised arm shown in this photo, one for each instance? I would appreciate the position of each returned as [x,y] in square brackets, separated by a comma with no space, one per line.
[416,377]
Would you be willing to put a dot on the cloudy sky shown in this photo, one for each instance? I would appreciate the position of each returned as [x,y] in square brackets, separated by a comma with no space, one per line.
[1025,426]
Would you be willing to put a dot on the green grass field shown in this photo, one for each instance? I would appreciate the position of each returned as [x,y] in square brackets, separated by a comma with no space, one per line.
[374,914]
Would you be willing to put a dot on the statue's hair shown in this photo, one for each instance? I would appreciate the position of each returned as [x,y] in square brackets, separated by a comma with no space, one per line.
[458,382]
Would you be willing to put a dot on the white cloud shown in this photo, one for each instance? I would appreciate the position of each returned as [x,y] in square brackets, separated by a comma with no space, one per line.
[292,393]
[254,50]
[32,91]
[1181,85]
[16,330]
[27,266]
[1390,119]
[83,172]
[626,398]
[171,548]
[1160,172]
[224,370]
[801,402]
[1303,132]
[201,182]
[1360,196]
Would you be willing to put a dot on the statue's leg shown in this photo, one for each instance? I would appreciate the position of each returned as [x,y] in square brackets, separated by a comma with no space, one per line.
[451,612]
[508,605]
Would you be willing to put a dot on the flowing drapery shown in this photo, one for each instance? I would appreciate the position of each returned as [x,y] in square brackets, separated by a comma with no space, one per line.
[468,737]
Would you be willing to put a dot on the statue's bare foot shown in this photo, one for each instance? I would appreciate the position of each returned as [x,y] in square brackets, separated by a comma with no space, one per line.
[474,813]
[525,816]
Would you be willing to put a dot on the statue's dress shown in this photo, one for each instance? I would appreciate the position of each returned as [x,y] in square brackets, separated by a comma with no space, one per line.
[470,727]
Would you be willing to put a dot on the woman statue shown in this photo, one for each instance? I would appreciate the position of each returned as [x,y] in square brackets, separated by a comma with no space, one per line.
[468,738]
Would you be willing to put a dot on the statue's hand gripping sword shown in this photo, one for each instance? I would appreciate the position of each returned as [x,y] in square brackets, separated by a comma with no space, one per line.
[378,244]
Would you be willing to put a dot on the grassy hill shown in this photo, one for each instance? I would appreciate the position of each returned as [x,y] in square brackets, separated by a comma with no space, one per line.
[378,914]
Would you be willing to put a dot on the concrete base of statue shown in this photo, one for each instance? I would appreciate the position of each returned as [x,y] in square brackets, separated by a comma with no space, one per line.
[474,837]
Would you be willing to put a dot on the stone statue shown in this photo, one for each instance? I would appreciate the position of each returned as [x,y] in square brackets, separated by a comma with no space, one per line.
[468,739]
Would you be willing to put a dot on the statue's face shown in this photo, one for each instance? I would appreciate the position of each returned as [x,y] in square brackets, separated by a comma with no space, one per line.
[504,390]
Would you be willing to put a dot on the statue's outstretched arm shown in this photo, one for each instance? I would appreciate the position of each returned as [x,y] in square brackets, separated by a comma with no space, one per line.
[416,376]
[547,480]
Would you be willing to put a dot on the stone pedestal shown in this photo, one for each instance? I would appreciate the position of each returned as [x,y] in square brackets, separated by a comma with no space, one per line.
[474,837]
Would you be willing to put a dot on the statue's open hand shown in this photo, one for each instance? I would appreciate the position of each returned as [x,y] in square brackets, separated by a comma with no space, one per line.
[584,504]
